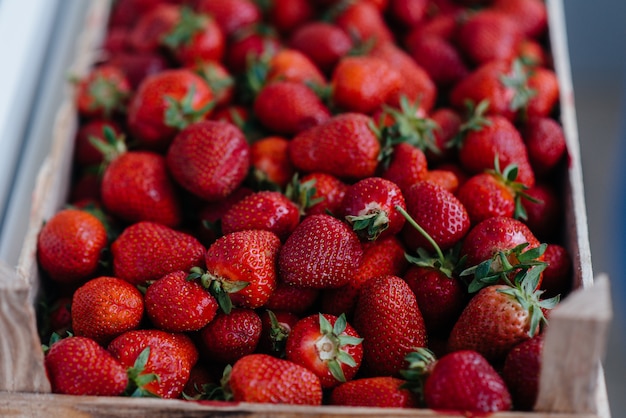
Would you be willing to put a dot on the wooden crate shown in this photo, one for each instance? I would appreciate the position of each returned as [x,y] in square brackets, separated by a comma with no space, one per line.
[572,382]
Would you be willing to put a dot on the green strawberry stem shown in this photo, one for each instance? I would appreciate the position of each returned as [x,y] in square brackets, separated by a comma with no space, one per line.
[183,32]
[475,122]
[421,230]
[181,113]
[301,193]
[106,96]
[330,346]
[517,80]
[278,335]
[137,379]
[111,147]
[509,177]
[420,364]
[220,287]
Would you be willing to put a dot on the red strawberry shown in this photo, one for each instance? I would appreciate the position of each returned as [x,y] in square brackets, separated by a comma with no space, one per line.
[488,35]
[218,78]
[79,366]
[557,279]
[138,65]
[210,215]
[242,265]
[345,146]
[148,251]
[369,206]
[288,15]
[382,257]
[438,212]
[270,161]
[292,65]
[69,245]
[381,392]
[210,159]
[543,212]
[328,346]
[521,372]
[85,153]
[446,179]
[389,320]
[251,44]
[363,83]
[231,15]
[266,210]
[439,58]
[102,92]
[287,107]
[316,193]
[408,12]
[545,141]
[231,336]
[320,253]
[465,381]
[275,329]
[165,103]
[407,166]
[106,307]
[59,316]
[530,15]
[324,43]
[266,379]
[363,21]
[176,304]
[169,360]
[126,13]
[150,28]
[294,299]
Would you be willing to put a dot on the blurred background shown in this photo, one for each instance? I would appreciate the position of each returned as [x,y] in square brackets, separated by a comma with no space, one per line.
[32,84]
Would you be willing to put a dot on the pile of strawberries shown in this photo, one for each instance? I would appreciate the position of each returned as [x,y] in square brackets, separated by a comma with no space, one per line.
[311,202]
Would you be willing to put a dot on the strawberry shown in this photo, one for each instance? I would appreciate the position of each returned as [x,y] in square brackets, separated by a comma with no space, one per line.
[231,15]
[167,365]
[363,21]
[362,84]
[69,245]
[58,317]
[293,299]
[440,59]
[292,65]
[322,42]
[287,107]
[407,12]
[465,381]
[148,251]
[499,317]
[521,372]
[275,329]
[85,153]
[344,146]
[124,14]
[270,161]
[102,92]
[438,212]
[175,304]
[382,257]
[320,253]
[106,307]
[210,159]
[557,275]
[446,179]
[381,392]
[194,37]
[231,336]
[241,268]
[266,210]
[543,211]
[407,166]
[250,44]
[317,193]
[328,346]
[369,206]
[79,366]
[165,103]
[545,141]
[488,35]
[389,320]
[149,30]
[531,16]
[211,213]
[266,379]
[218,78]
[139,65]
[532,54]
[288,15]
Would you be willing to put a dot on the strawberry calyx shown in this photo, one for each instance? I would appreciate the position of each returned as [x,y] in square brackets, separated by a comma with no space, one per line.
[421,362]
[517,79]
[189,24]
[180,113]
[217,81]
[111,147]
[370,224]
[474,122]
[252,81]
[137,379]
[508,177]
[278,334]
[330,346]
[106,95]
[220,287]
[302,193]
[213,391]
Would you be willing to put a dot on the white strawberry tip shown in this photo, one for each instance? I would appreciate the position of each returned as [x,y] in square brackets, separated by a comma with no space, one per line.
[326,348]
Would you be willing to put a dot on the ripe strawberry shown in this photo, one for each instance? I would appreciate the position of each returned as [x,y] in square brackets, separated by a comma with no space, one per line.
[241,268]
[407,166]
[499,317]
[102,92]
[218,78]
[320,253]
[294,299]
[407,12]
[139,65]
[545,141]
[58,316]
[488,35]
[148,251]
[557,279]
[79,366]
[446,179]
[231,15]
[275,329]
[521,372]
[266,210]
[317,193]
[438,212]
[363,21]
[85,153]
[210,159]
[151,27]
[344,146]
[106,307]
[389,320]
[175,304]
[288,15]
[165,103]
[69,245]
[270,161]
[250,44]
[545,84]
[322,42]
[168,364]
[530,15]
[532,54]
[328,346]
[363,83]
[465,381]
[211,213]
[292,65]
[194,37]
[544,212]
[369,206]
[287,107]
[382,257]
[440,59]
[231,336]
[381,392]
[266,379]
[124,14]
